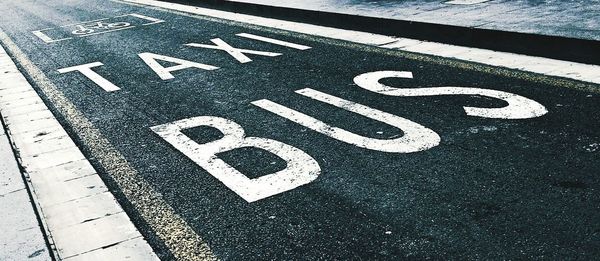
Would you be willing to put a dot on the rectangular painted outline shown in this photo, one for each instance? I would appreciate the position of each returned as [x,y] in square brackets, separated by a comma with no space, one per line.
[40,34]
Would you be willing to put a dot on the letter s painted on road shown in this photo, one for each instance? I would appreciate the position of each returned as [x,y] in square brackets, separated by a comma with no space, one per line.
[518,106]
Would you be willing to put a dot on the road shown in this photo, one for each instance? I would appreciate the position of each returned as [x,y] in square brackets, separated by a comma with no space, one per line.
[354,169]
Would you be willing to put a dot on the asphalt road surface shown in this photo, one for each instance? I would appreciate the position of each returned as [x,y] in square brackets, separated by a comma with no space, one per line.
[351,169]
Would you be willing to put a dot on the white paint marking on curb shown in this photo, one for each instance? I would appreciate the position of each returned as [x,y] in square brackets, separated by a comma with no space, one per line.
[546,66]
[79,214]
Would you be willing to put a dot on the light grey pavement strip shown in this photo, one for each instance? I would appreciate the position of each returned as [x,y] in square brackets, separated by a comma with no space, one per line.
[170,228]
[545,66]
[80,215]
[574,18]
[21,236]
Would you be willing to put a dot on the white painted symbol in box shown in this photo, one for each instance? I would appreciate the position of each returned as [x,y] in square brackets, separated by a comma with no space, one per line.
[94,27]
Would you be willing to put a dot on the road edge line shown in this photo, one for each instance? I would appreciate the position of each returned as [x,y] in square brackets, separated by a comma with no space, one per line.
[168,232]
[61,180]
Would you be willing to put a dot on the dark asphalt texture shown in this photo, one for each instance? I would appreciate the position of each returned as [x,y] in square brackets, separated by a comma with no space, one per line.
[492,189]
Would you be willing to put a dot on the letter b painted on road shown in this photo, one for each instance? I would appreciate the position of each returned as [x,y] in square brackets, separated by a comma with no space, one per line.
[301,167]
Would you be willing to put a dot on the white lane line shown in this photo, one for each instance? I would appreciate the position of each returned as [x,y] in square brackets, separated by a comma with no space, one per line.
[151,19]
[42,36]
[274,41]
[47,39]
[546,66]
[466,2]
[63,181]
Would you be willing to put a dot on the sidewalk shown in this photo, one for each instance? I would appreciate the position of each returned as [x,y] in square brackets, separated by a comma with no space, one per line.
[21,237]
[555,30]
[572,19]
[81,217]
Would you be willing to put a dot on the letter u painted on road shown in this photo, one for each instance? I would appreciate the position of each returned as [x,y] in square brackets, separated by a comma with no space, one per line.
[301,167]
[416,136]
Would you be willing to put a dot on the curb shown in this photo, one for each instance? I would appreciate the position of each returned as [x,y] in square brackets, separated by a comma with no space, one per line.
[81,218]
[24,234]
[554,47]
[586,73]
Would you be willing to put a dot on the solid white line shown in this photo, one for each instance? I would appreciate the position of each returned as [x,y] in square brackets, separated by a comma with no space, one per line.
[465,2]
[151,19]
[274,41]
[546,66]
[62,178]
[42,36]
[60,40]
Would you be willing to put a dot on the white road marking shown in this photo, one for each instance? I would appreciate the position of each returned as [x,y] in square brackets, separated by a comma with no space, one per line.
[86,70]
[84,22]
[518,106]
[466,2]
[151,19]
[237,53]
[60,177]
[274,41]
[546,66]
[416,137]
[165,73]
[106,31]
[47,39]
[301,168]
[42,36]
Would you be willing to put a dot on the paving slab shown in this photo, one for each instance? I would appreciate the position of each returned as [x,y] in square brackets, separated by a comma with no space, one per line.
[21,237]
[573,19]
